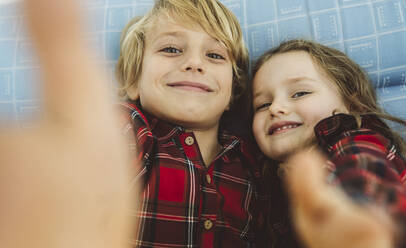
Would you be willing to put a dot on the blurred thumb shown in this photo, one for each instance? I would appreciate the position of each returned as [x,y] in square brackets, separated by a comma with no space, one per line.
[305,182]
[323,214]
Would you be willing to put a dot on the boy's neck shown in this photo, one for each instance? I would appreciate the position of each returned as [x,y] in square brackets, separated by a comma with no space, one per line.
[208,144]
[207,138]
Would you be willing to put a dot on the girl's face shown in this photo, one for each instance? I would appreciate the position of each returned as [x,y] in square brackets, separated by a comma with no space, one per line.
[291,95]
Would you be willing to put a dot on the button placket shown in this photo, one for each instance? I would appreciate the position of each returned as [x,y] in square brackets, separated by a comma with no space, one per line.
[189,140]
[208,178]
[208,224]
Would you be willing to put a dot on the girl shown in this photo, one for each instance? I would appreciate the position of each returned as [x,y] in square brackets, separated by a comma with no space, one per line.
[306,94]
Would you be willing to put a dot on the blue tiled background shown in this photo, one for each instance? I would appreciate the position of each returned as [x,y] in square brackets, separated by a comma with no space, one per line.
[372,32]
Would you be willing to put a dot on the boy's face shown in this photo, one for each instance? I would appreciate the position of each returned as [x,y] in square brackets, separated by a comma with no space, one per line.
[186,75]
[290,97]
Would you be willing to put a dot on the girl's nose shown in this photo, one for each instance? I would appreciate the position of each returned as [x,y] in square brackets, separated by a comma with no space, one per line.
[278,108]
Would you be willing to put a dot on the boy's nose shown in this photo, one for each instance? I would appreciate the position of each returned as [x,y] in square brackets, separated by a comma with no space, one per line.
[194,68]
[193,63]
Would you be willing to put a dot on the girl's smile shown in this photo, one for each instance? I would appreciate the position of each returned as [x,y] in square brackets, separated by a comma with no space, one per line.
[291,95]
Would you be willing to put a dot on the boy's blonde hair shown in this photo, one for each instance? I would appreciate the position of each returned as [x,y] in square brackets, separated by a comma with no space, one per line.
[353,83]
[212,16]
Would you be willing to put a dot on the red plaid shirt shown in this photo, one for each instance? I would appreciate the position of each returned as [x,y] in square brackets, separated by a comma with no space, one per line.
[362,161]
[185,203]
[365,162]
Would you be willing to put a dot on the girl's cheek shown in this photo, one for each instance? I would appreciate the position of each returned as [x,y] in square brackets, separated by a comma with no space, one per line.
[258,122]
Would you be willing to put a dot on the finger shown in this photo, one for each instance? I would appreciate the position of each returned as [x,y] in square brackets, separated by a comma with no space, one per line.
[74,89]
[311,206]
[304,180]
[324,216]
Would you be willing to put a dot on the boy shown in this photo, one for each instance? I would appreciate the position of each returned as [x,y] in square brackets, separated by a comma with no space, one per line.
[181,66]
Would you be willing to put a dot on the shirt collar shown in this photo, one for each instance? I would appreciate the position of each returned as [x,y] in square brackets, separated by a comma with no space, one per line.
[329,130]
[163,130]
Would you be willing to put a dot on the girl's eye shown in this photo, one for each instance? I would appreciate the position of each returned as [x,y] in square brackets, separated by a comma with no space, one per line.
[170,50]
[300,94]
[263,106]
[215,56]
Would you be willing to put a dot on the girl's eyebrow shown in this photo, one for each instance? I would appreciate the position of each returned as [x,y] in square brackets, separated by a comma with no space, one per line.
[288,81]
[257,94]
[299,79]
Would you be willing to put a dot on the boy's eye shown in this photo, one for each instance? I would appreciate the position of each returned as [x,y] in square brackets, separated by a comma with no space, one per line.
[263,106]
[170,50]
[300,94]
[215,56]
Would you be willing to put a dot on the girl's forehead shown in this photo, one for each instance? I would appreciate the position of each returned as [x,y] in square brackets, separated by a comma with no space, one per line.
[288,64]
[286,69]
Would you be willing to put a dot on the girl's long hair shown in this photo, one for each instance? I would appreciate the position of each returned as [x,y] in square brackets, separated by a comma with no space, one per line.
[353,83]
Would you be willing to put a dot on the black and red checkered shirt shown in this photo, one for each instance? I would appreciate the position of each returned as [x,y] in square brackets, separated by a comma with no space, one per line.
[363,161]
[184,203]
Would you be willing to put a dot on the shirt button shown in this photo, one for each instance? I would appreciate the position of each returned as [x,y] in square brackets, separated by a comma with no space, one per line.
[208,224]
[189,140]
[208,178]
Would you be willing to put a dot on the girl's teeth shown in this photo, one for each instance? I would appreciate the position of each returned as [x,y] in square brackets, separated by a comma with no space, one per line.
[285,127]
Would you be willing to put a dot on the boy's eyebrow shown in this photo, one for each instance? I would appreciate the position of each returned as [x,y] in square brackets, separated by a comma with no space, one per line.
[171,33]
[178,34]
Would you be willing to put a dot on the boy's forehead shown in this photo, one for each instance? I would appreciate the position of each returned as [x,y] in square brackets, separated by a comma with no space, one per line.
[166,27]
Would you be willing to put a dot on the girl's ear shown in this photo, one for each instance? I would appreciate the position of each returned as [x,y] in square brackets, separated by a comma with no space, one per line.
[133,92]
[228,107]
[343,108]
[339,111]
[230,102]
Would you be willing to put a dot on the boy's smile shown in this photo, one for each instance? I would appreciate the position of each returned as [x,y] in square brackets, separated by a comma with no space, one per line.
[186,75]
[190,86]
[291,95]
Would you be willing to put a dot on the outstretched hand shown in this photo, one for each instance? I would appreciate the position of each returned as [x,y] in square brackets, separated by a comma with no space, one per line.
[325,217]
[65,182]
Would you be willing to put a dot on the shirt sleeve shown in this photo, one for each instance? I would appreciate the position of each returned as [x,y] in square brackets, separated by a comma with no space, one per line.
[369,171]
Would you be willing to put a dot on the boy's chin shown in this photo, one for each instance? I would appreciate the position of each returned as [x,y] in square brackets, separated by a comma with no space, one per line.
[192,122]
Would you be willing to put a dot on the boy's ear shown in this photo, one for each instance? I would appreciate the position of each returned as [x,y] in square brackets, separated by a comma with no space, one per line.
[133,92]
